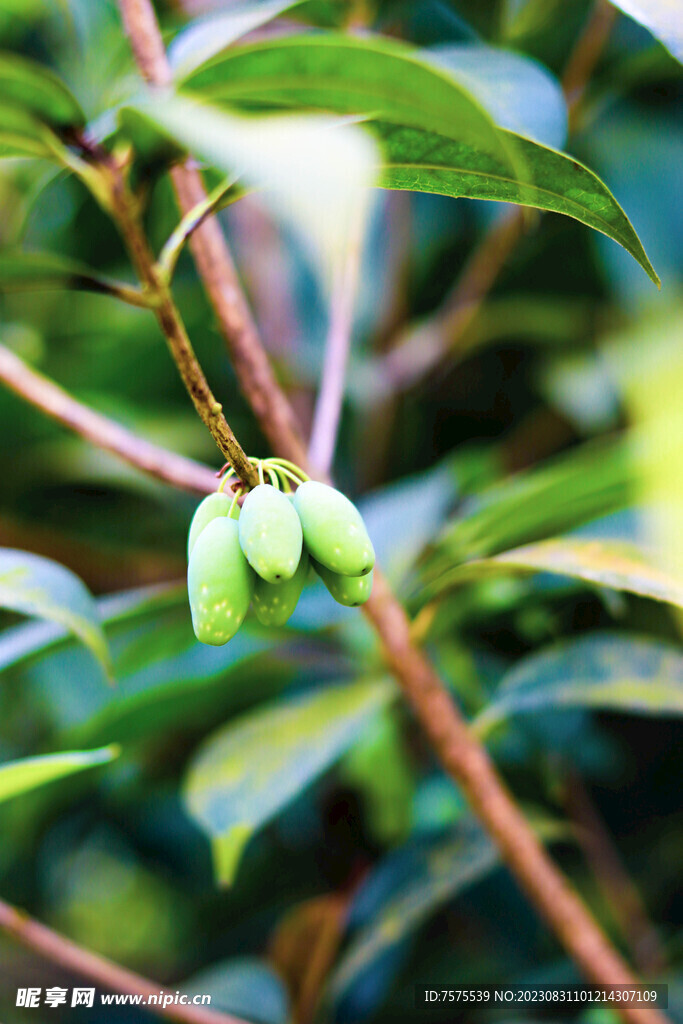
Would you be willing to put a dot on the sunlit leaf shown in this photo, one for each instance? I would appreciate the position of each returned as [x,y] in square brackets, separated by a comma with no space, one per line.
[18,777]
[37,90]
[21,134]
[601,562]
[314,171]
[248,771]
[661,17]
[40,587]
[605,671]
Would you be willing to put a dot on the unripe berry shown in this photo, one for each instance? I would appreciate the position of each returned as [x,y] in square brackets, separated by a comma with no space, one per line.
[270,534]
[219,583]
[212,507]
[347,590]
[274,602]
[334,531]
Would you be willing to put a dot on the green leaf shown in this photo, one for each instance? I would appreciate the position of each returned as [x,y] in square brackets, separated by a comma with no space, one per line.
[245,987]
[21,776]
[36,89]
[532,505]
[40,587]
[422,161]
[437,871]
[606,671]
[368,75]
[603,562]
[207,36]
[25,271]
[21,134]
[663,19]
[249,770]
[437,136]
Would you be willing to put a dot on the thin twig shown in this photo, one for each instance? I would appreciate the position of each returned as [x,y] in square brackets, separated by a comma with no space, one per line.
[168,257]
[62,951]
[124,209]
[461,755]
[51,399]
[331,394]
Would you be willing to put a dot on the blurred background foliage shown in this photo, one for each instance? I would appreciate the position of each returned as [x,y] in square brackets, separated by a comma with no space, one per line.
[552,424]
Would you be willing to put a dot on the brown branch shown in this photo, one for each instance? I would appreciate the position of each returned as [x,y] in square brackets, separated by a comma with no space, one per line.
[461,755]
[100,430]
[124,208]
[62,951]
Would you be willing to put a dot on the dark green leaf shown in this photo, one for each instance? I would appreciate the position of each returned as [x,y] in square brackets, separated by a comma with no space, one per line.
[245,987]
[638,677]
[249,770]
[38,586]
[26,271]
[423,161]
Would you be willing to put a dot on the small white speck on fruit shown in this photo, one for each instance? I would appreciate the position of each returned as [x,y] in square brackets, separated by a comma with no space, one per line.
[337,551]
[205,589]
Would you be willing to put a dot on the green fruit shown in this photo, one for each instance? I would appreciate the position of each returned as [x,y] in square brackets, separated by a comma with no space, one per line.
[270,534]
[212,507]
[219,582]
[274,602]
[334,531]
[347,590]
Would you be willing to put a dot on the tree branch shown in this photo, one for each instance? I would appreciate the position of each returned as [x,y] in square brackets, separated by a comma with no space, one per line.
[124,209]
[461,755]
[100,430]
[62,951]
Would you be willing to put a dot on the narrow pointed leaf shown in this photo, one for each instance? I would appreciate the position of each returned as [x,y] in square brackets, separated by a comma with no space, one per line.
[18,777]
[26,271]
[253,767]
[42,588]
[609,672]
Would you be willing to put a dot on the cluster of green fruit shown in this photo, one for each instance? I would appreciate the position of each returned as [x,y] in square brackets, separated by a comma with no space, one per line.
[262,553]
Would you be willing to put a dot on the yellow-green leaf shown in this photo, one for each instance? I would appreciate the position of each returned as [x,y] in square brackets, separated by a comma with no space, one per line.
[18,777]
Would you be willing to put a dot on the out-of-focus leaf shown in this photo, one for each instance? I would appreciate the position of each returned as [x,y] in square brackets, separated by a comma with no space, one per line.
[36,89]
[25,271]
[246,987]
[21,134]
[314,171]
[20,643]
[367,75]
[40,587]
[430,874]
[422,161]
[602,562]
[520,93]
[244,774]
[21,776]
[533,504]
[661,17]
[606,671]
[207,36]
[438,138]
